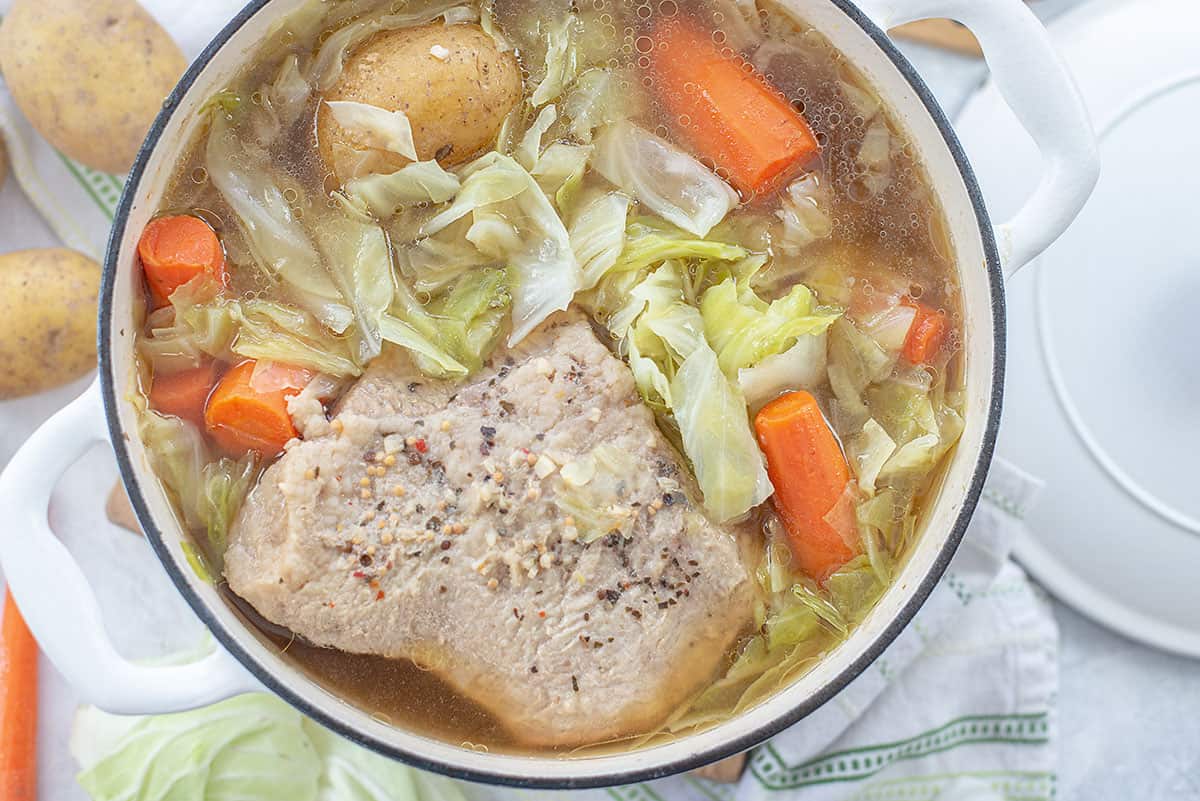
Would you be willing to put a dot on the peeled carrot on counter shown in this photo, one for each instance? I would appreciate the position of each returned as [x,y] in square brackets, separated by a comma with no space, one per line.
[18,707]
[174,250]
[184,394]
[810,475]
[727,112]
[925,335]
[248,409]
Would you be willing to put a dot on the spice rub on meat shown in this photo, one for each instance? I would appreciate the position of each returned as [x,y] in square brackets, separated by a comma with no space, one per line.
[530,536]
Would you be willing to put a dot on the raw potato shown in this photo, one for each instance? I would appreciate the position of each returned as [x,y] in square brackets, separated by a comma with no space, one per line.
[452,81]
[47,319]
[89,74]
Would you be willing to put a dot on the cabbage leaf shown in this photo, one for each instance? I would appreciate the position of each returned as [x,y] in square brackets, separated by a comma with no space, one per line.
[431,359]
[253,746]
[379,128]
[281,102]
[451,336]
[530,146]
[277,333]
[596,99]
[649,243]
[178,454]
[711,415]
[278,243]
[500,195]
[598,235]
[561,62]
[559,172]
[667,181]
[223,486]
[658,326]
[802,366]
[360,263]
[745,330]
[434,263]
[419,182]
[855,362]
[869,451]
[205,323]
[804,214]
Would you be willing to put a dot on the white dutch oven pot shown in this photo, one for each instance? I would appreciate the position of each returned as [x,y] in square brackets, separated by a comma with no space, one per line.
[68,624]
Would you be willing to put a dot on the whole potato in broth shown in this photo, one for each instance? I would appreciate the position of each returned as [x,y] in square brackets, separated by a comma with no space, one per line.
[452,81]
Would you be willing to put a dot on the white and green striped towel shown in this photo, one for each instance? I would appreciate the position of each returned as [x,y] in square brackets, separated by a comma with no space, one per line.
[959,708]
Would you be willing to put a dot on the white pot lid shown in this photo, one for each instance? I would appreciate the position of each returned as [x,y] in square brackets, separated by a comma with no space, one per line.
[1103,392]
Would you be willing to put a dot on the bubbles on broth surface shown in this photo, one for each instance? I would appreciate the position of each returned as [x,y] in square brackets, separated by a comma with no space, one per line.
[887,238]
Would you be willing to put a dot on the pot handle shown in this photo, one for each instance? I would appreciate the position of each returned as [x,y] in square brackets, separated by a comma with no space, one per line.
[56,599]
[1041,92]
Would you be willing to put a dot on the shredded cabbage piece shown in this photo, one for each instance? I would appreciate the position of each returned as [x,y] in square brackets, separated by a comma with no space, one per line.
[204,322]
[434,263]
[874,156]
[431,359]
[855,362]
[419,182]
[451,336]
[561,62]
[559,172]
[598,235]
[487,21]
[711,415]
[544,274]
[177,453]
[278,243]
[530,146]
[223,486]
[596,99]
[745,330]
[649,243]
[830,615]
[674,365]
[277,333]
[281,102]
[804,214]
[460,15]
[666,180]
[802,366]
[360,263]
[869,451]
[379,128]
[253,746]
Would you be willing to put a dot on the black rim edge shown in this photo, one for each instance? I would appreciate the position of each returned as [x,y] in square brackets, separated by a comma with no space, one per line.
[822,695]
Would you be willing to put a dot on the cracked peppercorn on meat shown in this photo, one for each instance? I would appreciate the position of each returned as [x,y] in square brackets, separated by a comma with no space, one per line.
[529,536]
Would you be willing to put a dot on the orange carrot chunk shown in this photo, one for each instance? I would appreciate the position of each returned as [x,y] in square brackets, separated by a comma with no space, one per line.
[184,394]
[248,409]
[726,112]
[809,473]
[18,707]
[925,335]
[174,250]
